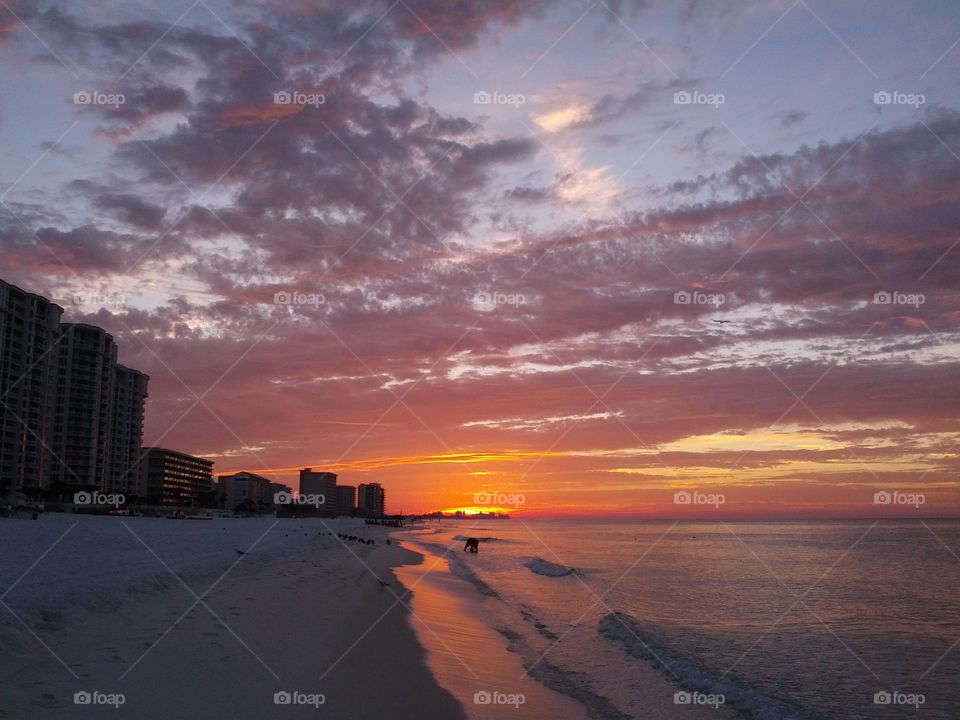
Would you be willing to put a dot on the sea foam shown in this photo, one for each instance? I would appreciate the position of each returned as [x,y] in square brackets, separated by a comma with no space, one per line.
[627,630]
[544,567]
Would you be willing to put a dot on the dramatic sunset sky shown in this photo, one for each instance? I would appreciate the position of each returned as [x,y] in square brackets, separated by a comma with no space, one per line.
[489,297]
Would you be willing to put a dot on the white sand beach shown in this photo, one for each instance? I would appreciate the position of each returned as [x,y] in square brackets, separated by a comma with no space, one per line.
[110,607]
[262,618]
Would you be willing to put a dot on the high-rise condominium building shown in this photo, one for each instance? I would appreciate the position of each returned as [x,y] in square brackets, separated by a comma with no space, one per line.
[371,499]
[70,413]
[346,499]
[29,327]
[83,420]
[316,482]
[131,395]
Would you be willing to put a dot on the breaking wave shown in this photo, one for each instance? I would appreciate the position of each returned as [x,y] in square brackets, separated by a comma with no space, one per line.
[626,629]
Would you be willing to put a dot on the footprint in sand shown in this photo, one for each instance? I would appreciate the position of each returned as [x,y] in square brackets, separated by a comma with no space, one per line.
[46,700]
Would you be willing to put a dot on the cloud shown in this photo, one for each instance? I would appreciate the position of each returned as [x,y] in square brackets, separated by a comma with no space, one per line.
[556,120]
[793,117]
[399,213]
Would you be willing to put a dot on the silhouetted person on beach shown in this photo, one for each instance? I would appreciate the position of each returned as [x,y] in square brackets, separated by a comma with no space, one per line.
[473,545]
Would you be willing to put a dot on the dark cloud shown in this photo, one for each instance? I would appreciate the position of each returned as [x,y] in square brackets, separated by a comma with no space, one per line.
[530,194]
[132,209]
[794,117]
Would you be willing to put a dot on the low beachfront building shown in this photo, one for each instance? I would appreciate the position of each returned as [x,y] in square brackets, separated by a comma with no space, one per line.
[278,495]
[168,477]
[244,490]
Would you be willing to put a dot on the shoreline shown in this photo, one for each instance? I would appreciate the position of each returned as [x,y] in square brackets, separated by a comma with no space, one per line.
[299,613]
[467,655]
[449,607]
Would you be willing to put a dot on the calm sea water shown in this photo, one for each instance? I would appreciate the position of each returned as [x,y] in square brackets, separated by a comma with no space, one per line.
[786,620]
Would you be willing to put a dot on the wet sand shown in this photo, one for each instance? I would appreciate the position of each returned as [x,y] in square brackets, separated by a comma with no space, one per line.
[467,657]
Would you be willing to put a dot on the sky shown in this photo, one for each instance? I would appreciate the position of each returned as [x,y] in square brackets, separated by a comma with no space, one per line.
[635,258]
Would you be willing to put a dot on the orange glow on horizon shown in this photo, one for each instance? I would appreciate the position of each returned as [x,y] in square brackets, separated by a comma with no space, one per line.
[787,471]
[377,463]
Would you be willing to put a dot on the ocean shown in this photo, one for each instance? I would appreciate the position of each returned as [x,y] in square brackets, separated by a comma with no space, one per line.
[806,620]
